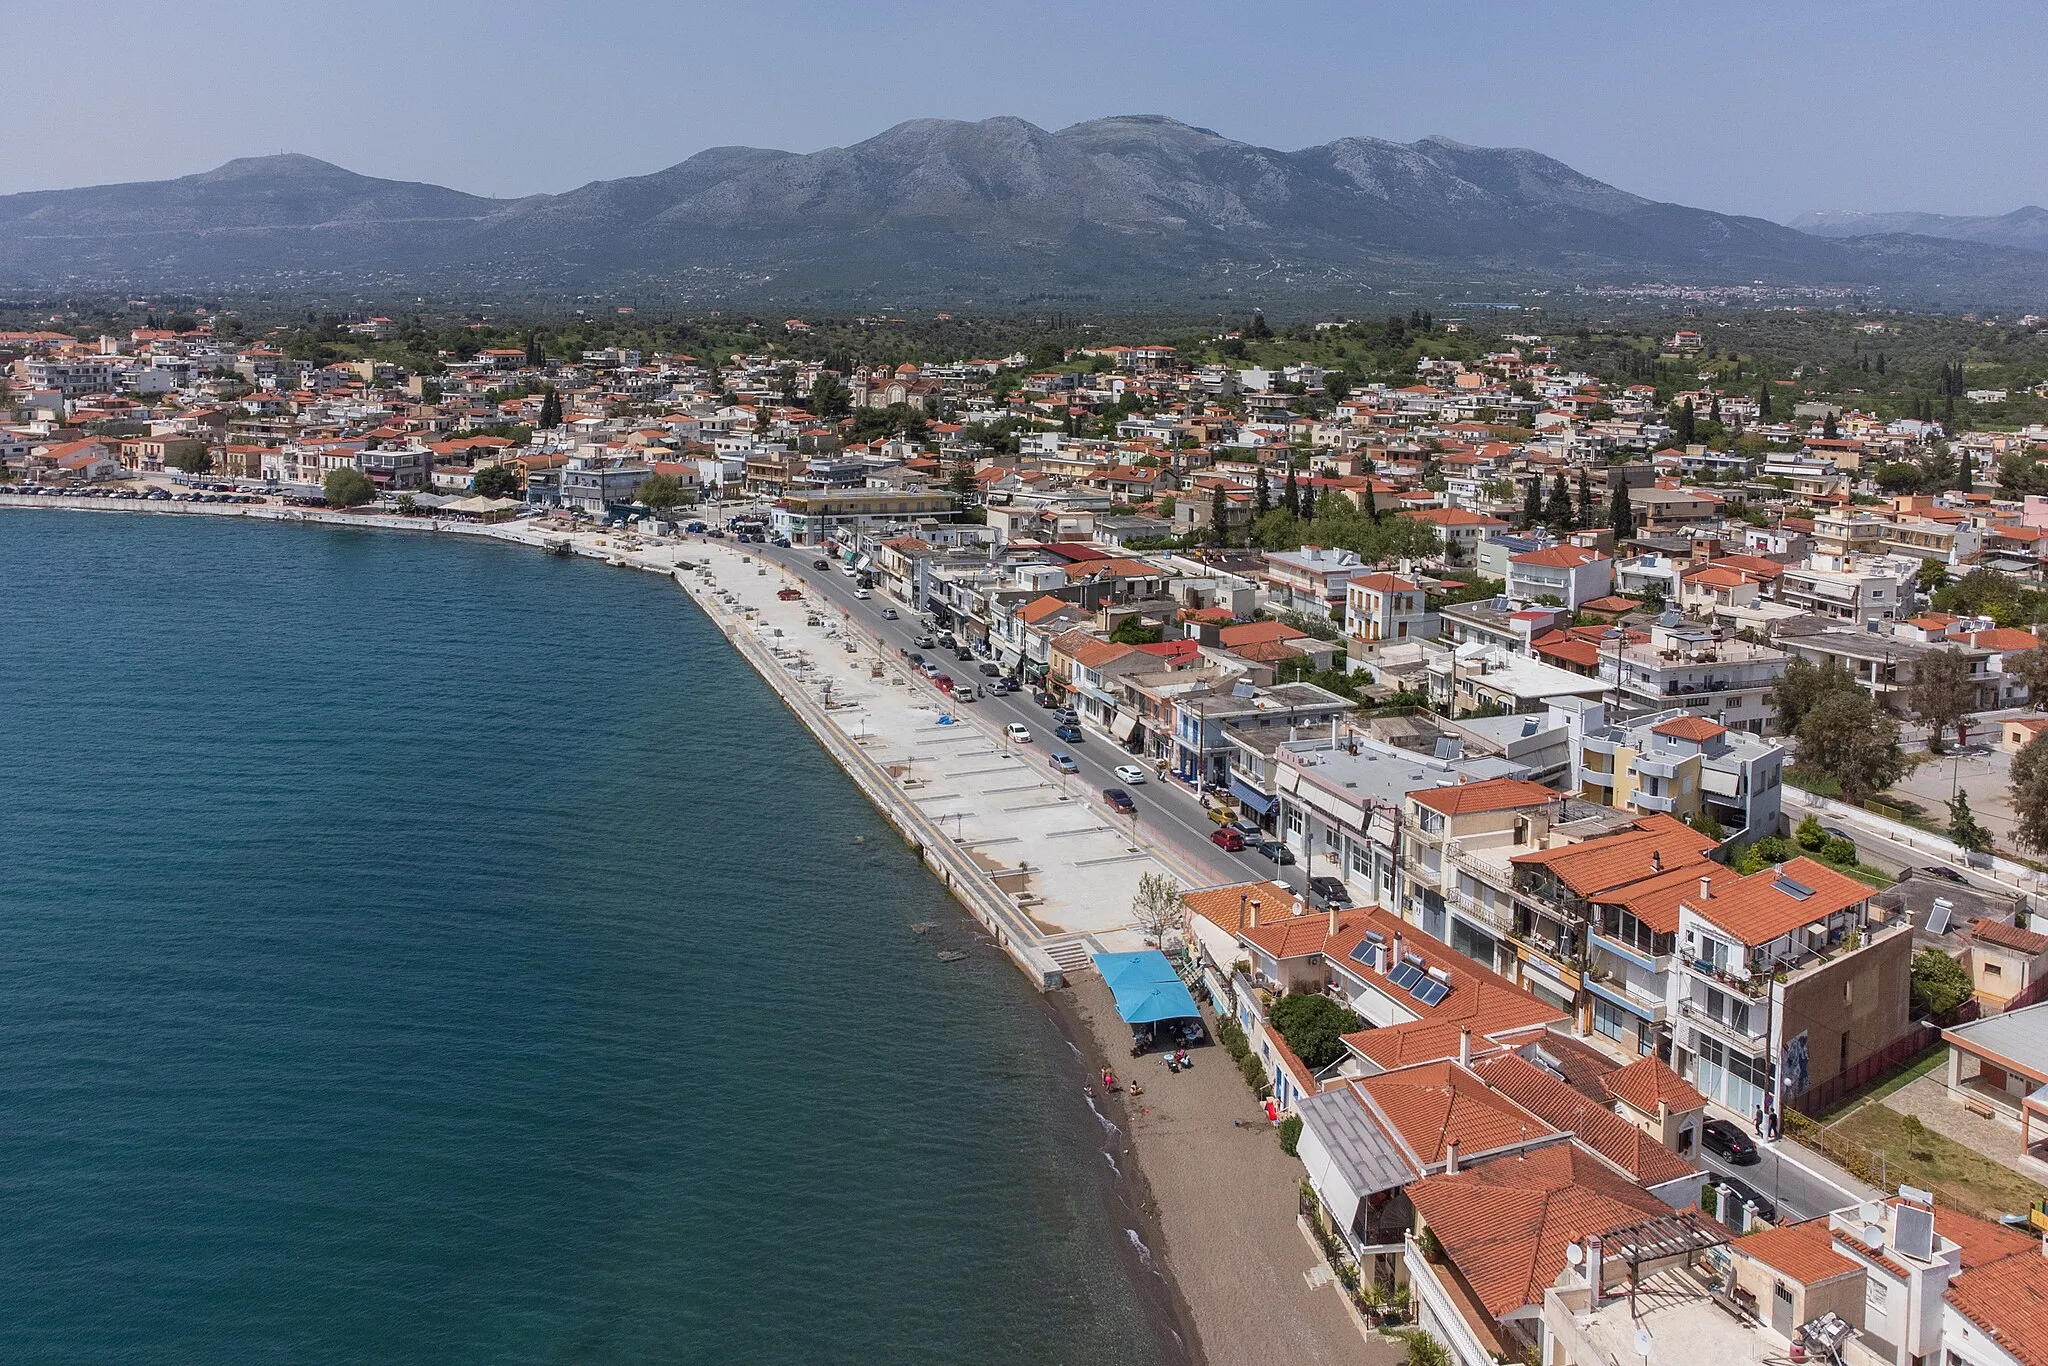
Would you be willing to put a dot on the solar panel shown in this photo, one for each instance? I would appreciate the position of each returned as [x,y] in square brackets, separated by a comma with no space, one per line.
[1407,975]
[1937,920]
[1914,1231]
[1362,952]
[1798,891]
[1431,991]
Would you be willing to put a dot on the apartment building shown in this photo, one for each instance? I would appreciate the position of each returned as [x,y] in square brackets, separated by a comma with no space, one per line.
[1848,588]
[1699,668]
[1567,574]
[1383,607]
[1782,981]
[1687,765]
[1885,665]
[1311,580]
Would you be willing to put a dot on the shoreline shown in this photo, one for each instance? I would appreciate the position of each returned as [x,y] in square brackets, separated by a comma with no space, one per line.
[1192,1221]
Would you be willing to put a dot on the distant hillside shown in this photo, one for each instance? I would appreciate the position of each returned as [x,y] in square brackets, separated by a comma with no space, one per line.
[1136,207]
[2026,227]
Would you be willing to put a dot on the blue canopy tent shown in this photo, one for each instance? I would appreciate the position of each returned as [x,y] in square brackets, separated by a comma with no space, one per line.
[1146,988]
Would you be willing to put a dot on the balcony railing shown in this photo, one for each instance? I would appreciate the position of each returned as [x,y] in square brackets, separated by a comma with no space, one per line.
[1693,1010]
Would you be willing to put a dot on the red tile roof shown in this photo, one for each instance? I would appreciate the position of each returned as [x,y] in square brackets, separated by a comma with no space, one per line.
[1553,1100]
[1800,1252]
[1689,727]
[2007,1300]
[1646,1081]
[2008,936]
[1432,1105]
[1259,633]
[1657,845]
[1506,1223]
[1756,909]
[1493,794]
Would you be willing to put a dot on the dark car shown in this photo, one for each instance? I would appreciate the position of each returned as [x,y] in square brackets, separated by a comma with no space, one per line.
[1223,837]
[964,655]
[992,670]
[1070,732]
[821,564]
[1945,874]
[1765,1210]
[1119,799]
[1729,1143]
[1275,850]
[1043,698]
[1330,891]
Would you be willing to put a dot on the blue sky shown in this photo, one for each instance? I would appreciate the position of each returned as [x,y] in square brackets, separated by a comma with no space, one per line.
[1744,107]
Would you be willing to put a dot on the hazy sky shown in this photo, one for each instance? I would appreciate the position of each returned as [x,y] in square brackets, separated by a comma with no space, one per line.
[1764,108]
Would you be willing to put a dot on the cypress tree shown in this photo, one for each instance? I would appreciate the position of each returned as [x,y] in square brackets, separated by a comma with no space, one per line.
[1532,504]
[1219,516]
[1828,430]
[1586,510]
[1558,512]
[1369,504]
[1262,494]
[550,409]
[1308,502]
[1620,515]
[1763,399]
[1290,497]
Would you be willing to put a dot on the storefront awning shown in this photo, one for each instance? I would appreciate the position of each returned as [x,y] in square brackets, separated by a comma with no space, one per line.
[1123,725]
[1250,796]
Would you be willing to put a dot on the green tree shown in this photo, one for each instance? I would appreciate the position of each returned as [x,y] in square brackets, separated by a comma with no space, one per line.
[1900,476]
[1558,511]
[1828,430]
[347,487]
[1588,513]
[1423,1349]
[663,492]
[1845,737]
[495,481]
[1620,515]
[1308,502]
[1133,631]
[1802,685]
[1809,835]
[1262,494]
[192,461]
[1337,385]
[2031,668]
[1684,423]
[1763,401]
[1964,828]
[1219,514]
[1313,1026]
[1944,695]
[1940,985]
[2030,795]
[1931,576]
[829,397]
[1532,504]
[550,409]
[960,482]
[1290,495]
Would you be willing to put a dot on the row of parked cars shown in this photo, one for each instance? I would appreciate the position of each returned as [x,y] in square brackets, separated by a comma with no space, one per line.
[129,495]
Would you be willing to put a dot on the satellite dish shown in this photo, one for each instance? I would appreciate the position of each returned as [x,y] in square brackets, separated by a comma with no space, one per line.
[1644,1342]
[1870,1212]
[1873,1236]
[1574,1254]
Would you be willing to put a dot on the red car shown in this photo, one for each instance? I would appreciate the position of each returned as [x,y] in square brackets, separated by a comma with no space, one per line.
[943,682]
[1226,838]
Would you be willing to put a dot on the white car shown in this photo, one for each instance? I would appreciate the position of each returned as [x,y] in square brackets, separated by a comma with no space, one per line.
[1018,732]
[1130,775]
[862,593]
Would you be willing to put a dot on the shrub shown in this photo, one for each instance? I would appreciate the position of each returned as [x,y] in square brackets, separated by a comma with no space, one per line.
[1314,1026]
[1254,1073]
[1839,851]
[1290,1134]
[1424,1350]
[1809,834]
[347,487]
[1233,1040]
[1940,985]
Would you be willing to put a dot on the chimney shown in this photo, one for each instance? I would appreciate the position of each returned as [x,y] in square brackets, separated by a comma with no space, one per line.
[1464,1045]
[1706,887]
[1333,922]
[1450,1156]
[1656,860]
[1251,920]
[1395,961]
[1595,1272]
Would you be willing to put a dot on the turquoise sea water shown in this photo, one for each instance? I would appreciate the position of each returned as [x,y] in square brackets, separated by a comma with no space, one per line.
[415,950]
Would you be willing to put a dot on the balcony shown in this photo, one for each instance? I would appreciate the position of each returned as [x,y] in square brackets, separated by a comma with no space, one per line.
[1600,744]
[1653,766]
[1750,1037]
[1650,801]
[1596,777]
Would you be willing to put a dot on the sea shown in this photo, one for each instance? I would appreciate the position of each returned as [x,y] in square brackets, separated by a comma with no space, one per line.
[420,949]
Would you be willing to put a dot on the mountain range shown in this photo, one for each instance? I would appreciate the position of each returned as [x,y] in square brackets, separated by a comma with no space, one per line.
[2024,227]
[1136,207]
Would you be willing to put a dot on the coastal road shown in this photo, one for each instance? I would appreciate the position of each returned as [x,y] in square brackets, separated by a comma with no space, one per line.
[1168,812]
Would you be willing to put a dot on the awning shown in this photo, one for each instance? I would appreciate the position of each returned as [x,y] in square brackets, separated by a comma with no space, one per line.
[1123,725]
[1146,988]
[1250,796]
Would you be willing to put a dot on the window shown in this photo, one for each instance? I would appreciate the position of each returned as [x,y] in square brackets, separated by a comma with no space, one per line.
[1993,970]
[1608,1018]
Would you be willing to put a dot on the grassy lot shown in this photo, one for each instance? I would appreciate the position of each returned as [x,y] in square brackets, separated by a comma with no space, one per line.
[1918,1156]
[1935,1058]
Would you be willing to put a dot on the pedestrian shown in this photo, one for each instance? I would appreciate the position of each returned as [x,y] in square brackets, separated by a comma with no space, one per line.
[1760,1121]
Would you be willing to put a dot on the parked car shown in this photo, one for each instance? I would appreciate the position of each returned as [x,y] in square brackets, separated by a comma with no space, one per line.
[1018,733]
[1765,1210]
[992,670]
[1252,834]
[1070,732]
[1729,1143]
[1275,850]
[964,655]
[1330,891]
[1130,773]
[1063,762]
[943,682]
[1226,838]
[1044,698]
[964,692]
[1945,874]
[1119,799]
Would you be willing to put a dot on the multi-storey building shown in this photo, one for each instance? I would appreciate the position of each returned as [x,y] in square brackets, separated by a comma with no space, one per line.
[1698,668]
[1684,764]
